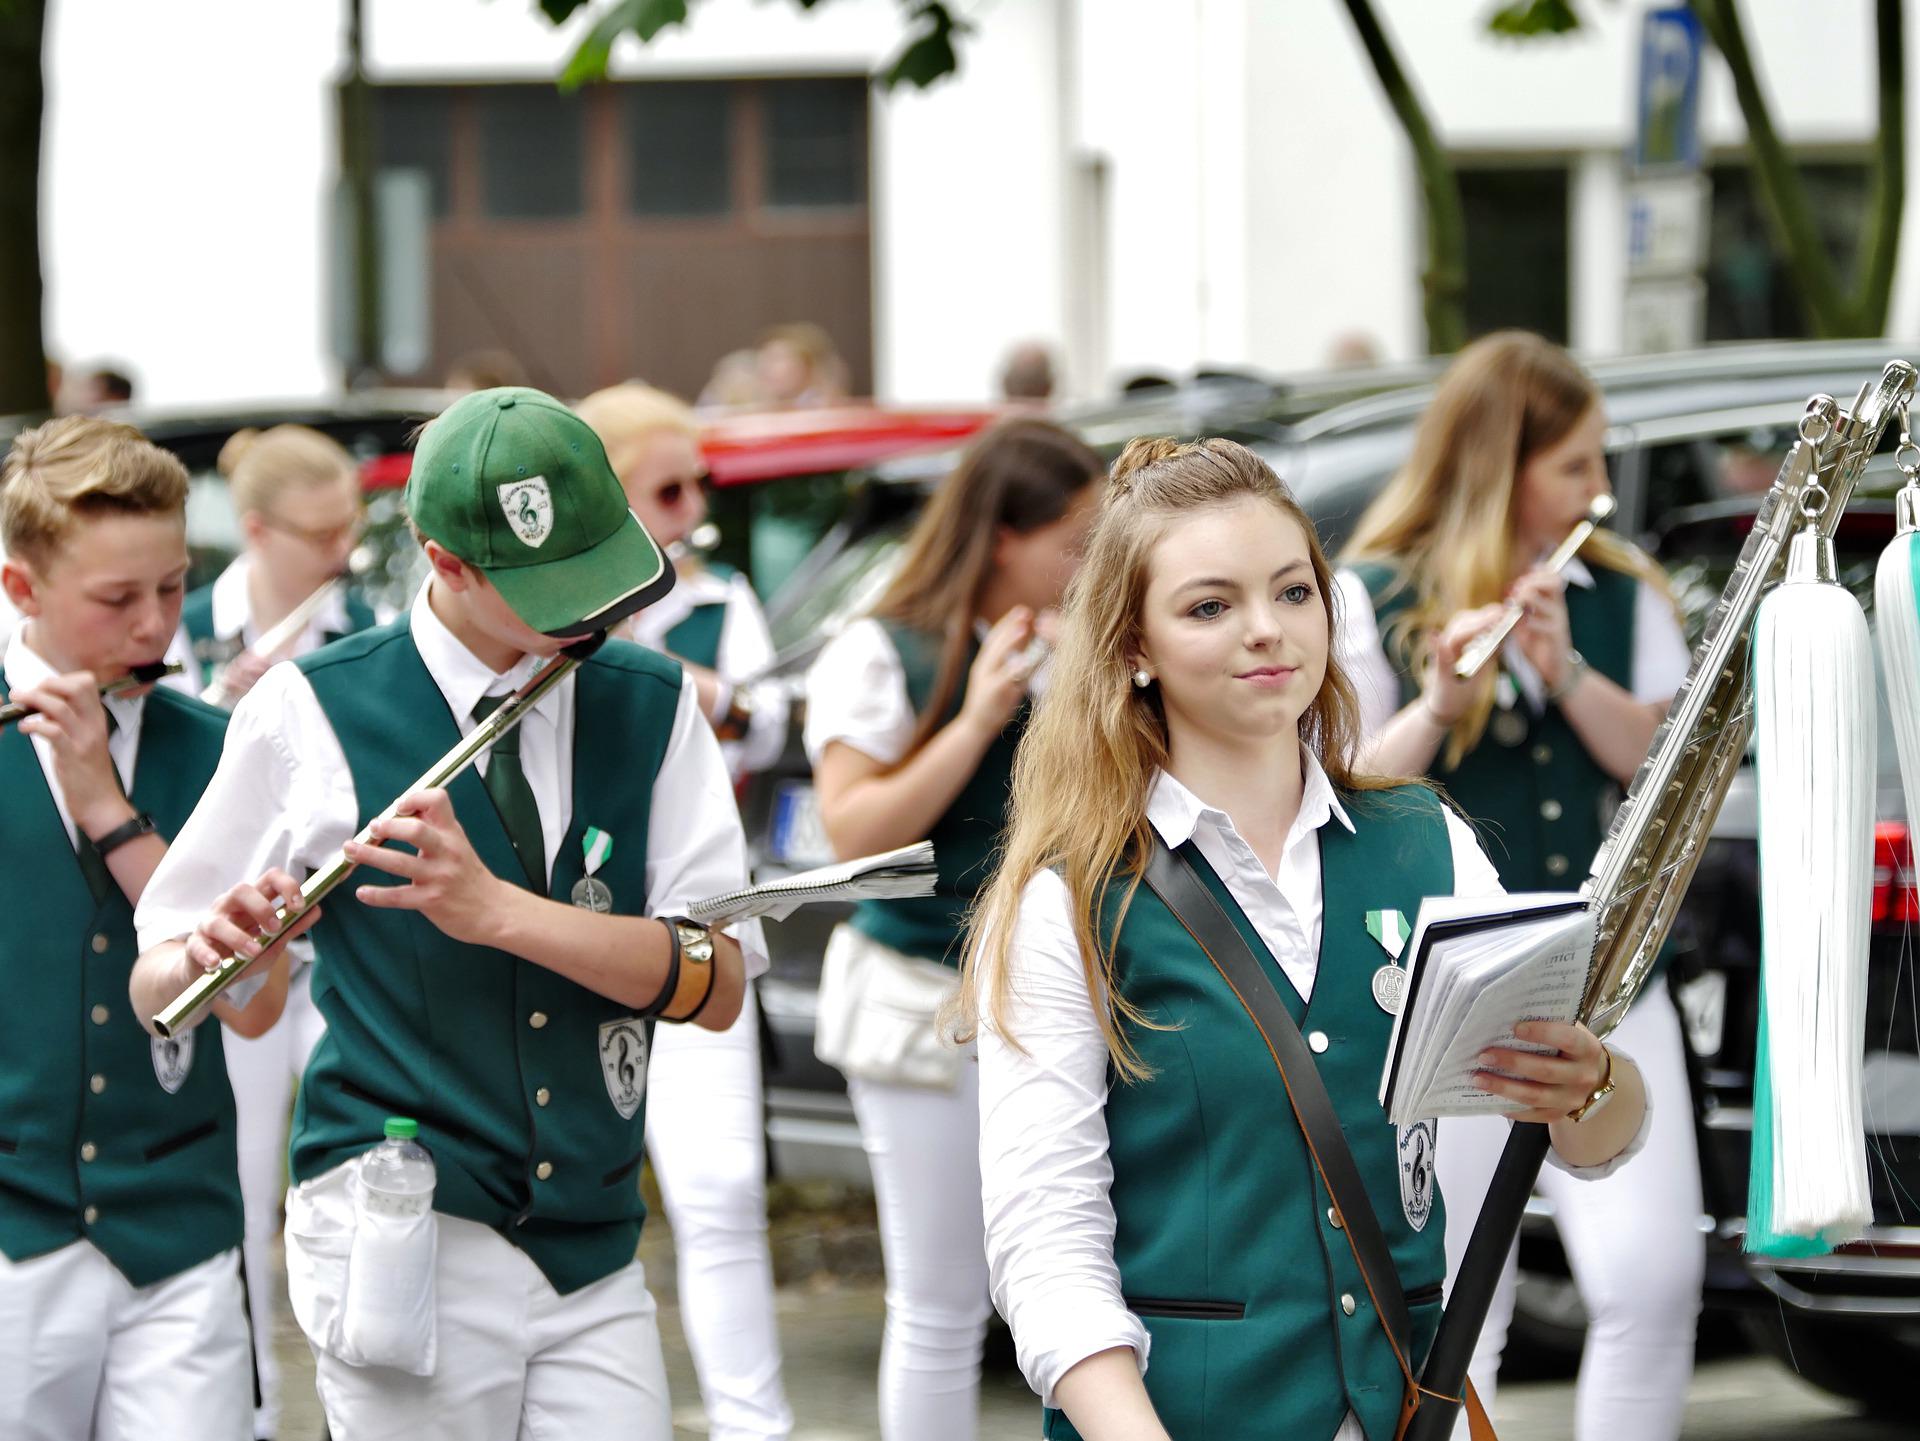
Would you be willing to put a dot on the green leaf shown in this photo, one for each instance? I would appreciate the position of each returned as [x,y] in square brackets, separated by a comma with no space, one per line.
[1524,18]
[645,18]
[930,55]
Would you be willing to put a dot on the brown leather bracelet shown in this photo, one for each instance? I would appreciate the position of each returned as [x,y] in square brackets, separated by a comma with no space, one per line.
[690,981]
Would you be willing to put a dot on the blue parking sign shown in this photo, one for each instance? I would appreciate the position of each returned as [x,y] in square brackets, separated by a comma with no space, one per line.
[1667,133]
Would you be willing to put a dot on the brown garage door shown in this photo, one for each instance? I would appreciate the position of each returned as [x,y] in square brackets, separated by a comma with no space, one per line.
[639,230]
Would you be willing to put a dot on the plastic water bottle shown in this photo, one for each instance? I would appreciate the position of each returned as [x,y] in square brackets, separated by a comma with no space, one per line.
[396,1177]
[389,1312]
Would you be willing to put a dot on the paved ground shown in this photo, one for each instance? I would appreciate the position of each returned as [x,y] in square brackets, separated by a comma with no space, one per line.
[831,1333]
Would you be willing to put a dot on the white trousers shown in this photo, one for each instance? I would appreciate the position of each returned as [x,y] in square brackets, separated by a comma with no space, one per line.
[924,1148]
[706,1136]
[85,1353]
[1632,1239]
[264,1072]
[517,1361]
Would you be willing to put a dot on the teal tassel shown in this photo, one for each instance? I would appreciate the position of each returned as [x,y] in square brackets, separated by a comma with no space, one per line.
[1762,1239]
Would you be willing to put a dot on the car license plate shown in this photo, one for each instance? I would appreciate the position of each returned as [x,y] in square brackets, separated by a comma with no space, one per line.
[799,838]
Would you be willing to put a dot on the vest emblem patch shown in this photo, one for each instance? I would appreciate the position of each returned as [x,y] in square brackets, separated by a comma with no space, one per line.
[528,506]
[623,1063]
[1417,1143]
[172,1060]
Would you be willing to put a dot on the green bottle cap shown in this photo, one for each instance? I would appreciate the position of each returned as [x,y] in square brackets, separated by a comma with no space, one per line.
[404,1128]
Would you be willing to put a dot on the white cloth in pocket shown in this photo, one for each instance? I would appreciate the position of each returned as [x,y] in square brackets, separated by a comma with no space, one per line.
[877,1014]
[361,1286]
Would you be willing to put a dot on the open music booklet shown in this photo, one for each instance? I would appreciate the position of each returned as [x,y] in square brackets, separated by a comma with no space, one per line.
[1477,967]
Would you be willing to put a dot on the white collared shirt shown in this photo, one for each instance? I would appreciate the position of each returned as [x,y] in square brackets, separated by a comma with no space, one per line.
[746,649]
[26,668]
[283,795]
[1660,652]
[1044,1166]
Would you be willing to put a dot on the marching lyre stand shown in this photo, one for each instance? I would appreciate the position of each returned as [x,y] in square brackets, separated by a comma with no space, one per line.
[1642,871]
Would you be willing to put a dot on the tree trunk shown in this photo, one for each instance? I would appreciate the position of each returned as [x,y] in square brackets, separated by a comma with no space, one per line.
[1834,309]
[23,356]
[1444,283]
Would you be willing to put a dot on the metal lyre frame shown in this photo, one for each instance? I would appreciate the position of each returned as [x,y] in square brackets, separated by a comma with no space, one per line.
[1643,869]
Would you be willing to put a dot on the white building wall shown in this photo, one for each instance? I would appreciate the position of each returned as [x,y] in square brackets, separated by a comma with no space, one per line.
[1157,183]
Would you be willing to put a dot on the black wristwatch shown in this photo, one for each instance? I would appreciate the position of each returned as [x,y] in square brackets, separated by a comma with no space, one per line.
[141,825]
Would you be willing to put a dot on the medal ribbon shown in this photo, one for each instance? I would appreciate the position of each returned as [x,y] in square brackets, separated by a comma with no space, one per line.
[1390,929]
[597,848]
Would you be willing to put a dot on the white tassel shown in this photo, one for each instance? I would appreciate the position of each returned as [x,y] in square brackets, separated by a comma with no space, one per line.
[1815,759]
[1897,611]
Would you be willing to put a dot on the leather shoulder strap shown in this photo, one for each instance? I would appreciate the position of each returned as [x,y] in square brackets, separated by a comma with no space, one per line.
[1170,877]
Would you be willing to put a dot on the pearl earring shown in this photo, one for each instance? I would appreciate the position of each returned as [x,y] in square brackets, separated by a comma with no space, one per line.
[1141,679]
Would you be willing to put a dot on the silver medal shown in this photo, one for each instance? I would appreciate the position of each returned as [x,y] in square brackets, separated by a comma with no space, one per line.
[1389,988]
[590,893]
[1509,727]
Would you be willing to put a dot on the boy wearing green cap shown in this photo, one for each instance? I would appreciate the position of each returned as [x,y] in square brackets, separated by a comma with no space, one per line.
[500,978]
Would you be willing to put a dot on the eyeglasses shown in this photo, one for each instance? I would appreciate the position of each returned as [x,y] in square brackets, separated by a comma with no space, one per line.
[326,539]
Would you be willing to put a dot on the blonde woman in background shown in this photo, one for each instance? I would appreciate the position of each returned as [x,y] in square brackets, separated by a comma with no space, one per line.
[1535,750]
[297,495]
[705,1119]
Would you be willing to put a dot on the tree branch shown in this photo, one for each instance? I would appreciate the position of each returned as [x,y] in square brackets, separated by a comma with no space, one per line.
[23,356]
[1445,280]
[1888,196]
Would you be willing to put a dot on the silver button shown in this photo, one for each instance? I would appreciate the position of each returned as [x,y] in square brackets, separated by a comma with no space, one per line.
[100,944]
[1317,1040]
[1542,754]
[537,1020]
[88,1150]
[1556,865]
[543,1170]
[90,1215]
[1333,1219]
[542,1096]
[1550,810]
[1348,1304]
[100,1014]
[98,1083]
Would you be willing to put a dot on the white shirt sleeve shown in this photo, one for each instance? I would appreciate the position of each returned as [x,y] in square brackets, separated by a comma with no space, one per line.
[746,646]
[1362,654]
[1660,654]
[695,845]
[282,796]
[857,694]
[1044,1168]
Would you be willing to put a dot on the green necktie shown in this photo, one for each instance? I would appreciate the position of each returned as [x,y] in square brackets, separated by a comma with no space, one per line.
[93,866]
[513,798]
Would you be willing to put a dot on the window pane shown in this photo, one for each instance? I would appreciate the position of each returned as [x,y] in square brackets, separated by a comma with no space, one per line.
[678,141]
[532,139]
[412,130]
[1516,223]
[816,142]
[1750,291]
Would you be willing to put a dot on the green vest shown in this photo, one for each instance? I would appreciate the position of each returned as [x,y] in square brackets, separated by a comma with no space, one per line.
[697,638]
[214,651]
[529,1089]
[105,1132]
[1223,1235]
[964,838]
[1540,804]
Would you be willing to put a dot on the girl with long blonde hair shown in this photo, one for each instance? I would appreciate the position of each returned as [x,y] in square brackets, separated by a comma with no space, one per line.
[1143,1176]
[1535,749]
[913,716]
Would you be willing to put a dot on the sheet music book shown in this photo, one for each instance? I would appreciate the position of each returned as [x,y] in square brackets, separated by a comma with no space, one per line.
[1478,967]
[892,875]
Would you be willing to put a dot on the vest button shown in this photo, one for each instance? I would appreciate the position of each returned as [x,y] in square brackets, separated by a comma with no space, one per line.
[1333,1219]
[537,1020]
[1542,754]
[88,1151]
[100,1014]
[542,1096]
[1318,1040]
[1550,810]
[1556,865]
[100,943]
[90,1215]
[543,1170]
[1348,1304]
[98,1083]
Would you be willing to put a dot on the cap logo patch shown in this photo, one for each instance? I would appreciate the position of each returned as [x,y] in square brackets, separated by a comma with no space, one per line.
[528,506]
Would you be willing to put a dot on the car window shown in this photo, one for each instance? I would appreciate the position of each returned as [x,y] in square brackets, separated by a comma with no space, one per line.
[844,589]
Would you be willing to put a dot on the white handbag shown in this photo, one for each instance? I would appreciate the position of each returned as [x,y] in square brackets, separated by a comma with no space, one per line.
[878,1011]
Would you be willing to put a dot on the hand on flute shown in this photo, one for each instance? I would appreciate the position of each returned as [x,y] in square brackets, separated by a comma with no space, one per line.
[243,673]
[70,717]
[1544,634]
[1445,695]
[448,883]
[242,916]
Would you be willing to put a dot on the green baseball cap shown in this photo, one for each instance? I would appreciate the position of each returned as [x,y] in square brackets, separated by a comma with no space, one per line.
[519,487]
